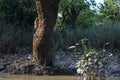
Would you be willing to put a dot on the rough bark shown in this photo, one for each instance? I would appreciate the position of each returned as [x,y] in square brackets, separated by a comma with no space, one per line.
[47,13]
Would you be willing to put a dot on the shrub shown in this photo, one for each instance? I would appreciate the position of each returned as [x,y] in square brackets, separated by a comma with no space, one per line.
[93,63]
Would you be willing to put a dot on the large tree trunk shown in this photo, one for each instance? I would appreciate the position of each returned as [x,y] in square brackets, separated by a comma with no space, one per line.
[47,14]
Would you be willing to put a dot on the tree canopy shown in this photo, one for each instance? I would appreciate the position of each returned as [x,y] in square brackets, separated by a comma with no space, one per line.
[71,9]
[18,11]
[111,10]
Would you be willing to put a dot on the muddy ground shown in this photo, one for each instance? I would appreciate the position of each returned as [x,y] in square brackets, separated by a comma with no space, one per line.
[22,64]
[63,64]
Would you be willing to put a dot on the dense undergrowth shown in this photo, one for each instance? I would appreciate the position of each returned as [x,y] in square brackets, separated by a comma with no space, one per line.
[12,36]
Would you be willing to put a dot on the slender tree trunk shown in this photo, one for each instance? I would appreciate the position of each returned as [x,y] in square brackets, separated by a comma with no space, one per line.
[73,18]
[47,14]
[73,21]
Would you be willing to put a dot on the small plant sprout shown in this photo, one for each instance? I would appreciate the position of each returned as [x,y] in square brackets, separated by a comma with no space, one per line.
[104,46]
[76,49]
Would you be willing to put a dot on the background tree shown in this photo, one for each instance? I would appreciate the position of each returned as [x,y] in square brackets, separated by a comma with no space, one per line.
[87,18]
[47,14]
[70,10]
[111,10]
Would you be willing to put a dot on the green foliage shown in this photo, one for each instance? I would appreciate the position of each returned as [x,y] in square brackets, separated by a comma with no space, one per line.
[18,11]
[87,17]
[70,10]
[71,4]
[111,10]
[77,12]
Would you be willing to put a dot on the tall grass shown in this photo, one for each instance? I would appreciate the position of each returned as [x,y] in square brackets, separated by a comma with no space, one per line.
[97,35]
[12,36]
